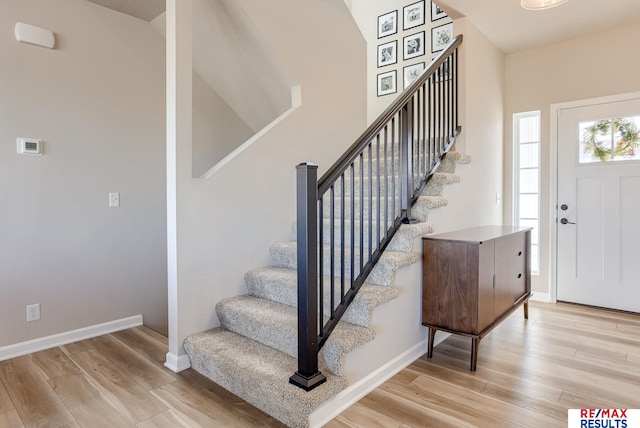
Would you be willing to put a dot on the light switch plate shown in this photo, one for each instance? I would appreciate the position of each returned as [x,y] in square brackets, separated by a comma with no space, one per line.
[114,199]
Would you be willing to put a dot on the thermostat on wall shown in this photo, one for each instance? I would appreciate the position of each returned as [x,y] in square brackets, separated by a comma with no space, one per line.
[29,146]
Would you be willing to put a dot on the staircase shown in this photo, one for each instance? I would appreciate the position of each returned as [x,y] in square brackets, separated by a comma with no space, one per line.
[253,353]
[282,346]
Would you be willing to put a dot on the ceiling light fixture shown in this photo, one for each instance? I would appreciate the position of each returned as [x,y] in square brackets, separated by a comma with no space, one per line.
[540,4]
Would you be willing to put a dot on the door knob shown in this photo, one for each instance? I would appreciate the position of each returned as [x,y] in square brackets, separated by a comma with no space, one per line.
[565,221]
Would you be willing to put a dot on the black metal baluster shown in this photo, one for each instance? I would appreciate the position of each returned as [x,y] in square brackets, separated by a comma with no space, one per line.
[393,166]
[429,84]
[456,85]
[370,223]
[332,246]
[342,220]
[425,146]
[378,202]
[321,261]
[361,211]
[386,181]
[353,229]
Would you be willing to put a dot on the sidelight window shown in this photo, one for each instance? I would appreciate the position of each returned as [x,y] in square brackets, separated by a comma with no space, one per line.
[526,206]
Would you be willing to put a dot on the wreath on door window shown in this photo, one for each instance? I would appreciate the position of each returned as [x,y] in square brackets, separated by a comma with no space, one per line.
[626,135]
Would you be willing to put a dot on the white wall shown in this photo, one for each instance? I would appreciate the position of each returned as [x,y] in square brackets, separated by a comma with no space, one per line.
[366,13]
[224,225]
[97,100]
[217,129]
[481,83]
[592,66]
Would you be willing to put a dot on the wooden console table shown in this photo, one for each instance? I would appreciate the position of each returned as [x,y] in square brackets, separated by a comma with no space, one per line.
[473,279]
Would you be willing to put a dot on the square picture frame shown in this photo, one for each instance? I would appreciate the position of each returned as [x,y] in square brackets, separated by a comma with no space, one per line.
[436,12]
[388,24]
[413,15]
[441,36]
[388,53]
[411,73]
[387,83]
[413,45]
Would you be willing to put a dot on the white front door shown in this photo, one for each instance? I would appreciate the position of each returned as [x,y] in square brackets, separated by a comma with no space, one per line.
[598,206]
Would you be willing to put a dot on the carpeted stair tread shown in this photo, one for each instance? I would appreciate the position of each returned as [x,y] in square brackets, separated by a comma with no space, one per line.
[283,254]
[424,204]
[259,374]
[276,325]
[435,186]
[281,285]
[404,237]
[445,178]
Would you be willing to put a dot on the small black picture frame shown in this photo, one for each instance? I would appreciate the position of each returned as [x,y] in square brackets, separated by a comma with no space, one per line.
[441,36]
[413,45]
[436,12]
[388,53]
[388,24]
[411,73]
[413,15]
[387,83]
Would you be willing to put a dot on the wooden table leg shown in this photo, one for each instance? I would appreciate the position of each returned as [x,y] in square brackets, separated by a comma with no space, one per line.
[475,342]
[432,336]
[526,310]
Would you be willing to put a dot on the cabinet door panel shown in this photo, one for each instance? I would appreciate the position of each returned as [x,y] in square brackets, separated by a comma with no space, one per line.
[519,260]
[449,285]
[485,285]
[503,292]
[464,280]
[436,293]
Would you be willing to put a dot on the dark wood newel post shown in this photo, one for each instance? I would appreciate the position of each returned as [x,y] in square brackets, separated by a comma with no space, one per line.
[308,376]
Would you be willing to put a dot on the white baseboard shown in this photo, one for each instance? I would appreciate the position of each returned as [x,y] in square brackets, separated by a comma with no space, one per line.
[177,363]
[355,392]
[40,344]
[541,297]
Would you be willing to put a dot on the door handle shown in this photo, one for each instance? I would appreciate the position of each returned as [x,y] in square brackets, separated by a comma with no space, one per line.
[565,221]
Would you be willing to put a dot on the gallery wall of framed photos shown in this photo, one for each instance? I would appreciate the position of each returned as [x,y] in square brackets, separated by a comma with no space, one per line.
[402,37]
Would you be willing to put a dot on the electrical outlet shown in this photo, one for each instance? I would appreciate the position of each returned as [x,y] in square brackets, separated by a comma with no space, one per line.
[33,312]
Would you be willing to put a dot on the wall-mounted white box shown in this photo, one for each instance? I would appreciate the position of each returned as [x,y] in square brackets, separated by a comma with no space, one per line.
[27,33]
[29,146]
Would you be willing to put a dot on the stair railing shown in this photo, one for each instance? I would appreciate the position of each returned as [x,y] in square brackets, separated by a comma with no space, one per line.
[369,190]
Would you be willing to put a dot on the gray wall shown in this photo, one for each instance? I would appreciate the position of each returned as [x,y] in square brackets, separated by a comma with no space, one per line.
[97,100]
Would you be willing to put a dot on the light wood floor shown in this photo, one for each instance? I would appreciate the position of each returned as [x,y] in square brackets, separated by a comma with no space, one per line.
[529,373]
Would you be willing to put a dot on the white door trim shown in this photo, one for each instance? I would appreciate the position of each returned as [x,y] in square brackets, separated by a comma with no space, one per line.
[555,111]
